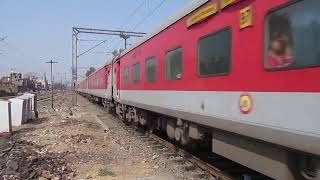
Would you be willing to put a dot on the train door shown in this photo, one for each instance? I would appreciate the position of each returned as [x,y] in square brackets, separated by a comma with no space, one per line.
[116,80]
[86,88]
[109,85]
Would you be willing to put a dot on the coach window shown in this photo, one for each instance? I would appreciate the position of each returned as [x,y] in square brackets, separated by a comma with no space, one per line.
[292,38]
[151,64]
[126,75]
[136,73]
[174,64]
[214,53]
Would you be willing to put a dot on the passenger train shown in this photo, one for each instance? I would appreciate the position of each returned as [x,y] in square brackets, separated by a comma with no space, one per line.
[245,73]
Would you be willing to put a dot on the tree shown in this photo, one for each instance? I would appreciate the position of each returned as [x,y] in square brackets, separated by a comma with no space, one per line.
[117,52]
[90,71]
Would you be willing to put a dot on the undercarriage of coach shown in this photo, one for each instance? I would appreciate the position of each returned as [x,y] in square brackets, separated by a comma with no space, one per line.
[178,130]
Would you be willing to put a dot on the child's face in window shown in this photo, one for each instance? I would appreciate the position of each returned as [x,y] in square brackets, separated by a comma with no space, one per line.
[278,47]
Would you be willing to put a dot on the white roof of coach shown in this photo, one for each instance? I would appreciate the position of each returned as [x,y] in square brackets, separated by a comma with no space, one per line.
[184,12]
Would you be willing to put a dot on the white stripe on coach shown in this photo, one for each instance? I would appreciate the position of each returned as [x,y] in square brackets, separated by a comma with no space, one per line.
[290,111]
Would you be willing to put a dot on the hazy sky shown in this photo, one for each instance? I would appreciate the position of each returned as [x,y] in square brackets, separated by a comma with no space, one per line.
[40,30]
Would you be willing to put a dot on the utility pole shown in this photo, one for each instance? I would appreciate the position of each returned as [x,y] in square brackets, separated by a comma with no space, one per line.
[11,75]
[125,37]
[51,62]
[76,79]
[45,81]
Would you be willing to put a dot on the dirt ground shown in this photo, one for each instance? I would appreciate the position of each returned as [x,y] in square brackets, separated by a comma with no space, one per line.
[81,142]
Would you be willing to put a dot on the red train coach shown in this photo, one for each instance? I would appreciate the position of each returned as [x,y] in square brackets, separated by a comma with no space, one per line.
[97,85]
[246,72]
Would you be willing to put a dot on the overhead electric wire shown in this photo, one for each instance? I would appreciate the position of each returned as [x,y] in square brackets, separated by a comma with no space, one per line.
[132,14]
[91,48]
[89,40]
[145,18]
[149,14]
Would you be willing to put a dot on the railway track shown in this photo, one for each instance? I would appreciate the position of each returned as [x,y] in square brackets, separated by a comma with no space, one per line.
[47,97]
[202,162]
[212,165]
[193,159]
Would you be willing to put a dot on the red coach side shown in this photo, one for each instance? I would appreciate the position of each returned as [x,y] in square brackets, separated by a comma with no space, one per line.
[260,83]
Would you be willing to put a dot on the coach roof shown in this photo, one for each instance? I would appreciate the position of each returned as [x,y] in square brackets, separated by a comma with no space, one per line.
[187,10]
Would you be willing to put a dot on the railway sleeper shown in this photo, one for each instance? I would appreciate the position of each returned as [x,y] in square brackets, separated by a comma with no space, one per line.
[201,175]
[188,167]
[179,160]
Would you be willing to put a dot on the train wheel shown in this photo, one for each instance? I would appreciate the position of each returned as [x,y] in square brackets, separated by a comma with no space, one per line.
[182,136]
[170,129]
[310,168]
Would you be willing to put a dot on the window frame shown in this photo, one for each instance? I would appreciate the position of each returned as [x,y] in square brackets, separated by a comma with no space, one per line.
[231,53]
[265,37]
[165,58]
[124,78]
[155,57]
[136,81]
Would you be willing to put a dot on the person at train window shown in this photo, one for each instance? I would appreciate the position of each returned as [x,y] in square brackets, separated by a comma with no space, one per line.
[179,76]
[280,52]
[293,36]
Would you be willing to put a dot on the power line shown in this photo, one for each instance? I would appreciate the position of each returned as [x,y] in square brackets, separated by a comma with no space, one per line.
[91,48]
[145,18]
[101,52]
[89,40]
[132,14]
[129,17]
[149,14]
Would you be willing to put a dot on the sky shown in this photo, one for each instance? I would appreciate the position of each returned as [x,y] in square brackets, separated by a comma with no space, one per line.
[40,30]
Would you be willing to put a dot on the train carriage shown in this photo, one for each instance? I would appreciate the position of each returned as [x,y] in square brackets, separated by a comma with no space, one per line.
[246,71]
[97,85]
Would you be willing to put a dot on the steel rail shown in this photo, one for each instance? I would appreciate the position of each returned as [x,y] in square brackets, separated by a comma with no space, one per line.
[193,159]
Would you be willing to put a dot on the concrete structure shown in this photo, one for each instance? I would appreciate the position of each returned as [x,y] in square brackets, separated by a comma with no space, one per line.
[18,111]
[28,106]
[5,116]
[33,104]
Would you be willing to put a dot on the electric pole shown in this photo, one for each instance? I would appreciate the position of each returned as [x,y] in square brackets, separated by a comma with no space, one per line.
[11,75]
[51,62]
[125,37]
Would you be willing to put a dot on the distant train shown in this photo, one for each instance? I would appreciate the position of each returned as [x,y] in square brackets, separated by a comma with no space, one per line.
[244,73]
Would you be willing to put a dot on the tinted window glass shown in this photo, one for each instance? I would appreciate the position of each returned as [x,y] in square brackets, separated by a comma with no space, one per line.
[293,36]
[215,53]
[174,64]
[151,69]
[126,75]
[136,73]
